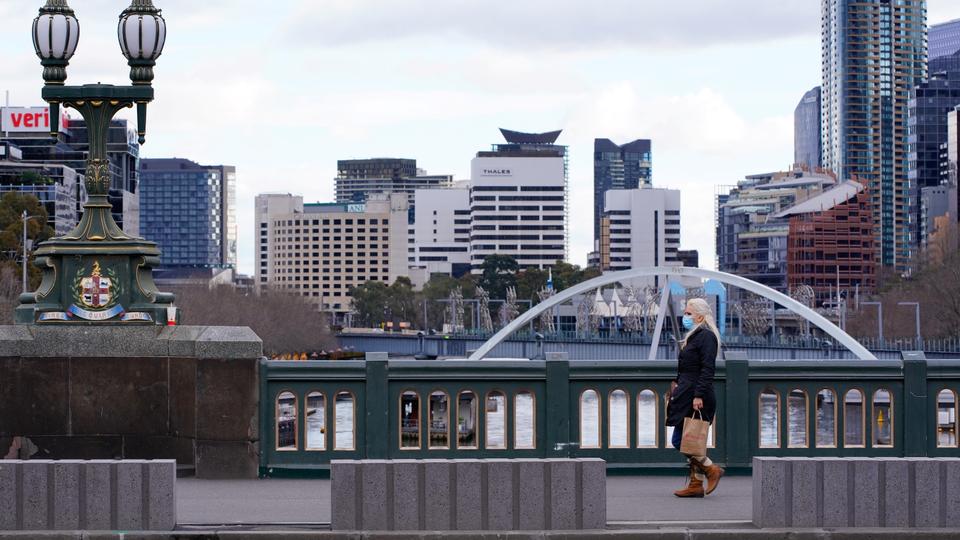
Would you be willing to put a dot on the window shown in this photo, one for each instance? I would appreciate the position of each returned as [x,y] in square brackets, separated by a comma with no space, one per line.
[439,421]
[467,421]
[946,419]
[286,421]
[524,421]
[797,419]
[316,418]
[853,424]
[647,419]
[769,413]
[618,434]
[589,419]
[496,421]
[344,435]
[826,419]
[882,419]
[409,420]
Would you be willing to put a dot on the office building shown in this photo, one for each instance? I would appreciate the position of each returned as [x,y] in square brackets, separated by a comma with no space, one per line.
[320,251]
[357,179]
[934,205]
[440,233]
[618,167]
[640,228]
[932,100]
[55,186]
[874,54]
[190,211]
[806,131]
[828,244]
[943,39]
[751,242]
[518,202]
[29,129]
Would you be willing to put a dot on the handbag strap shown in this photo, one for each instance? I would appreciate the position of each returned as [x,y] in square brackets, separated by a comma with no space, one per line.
[697,411]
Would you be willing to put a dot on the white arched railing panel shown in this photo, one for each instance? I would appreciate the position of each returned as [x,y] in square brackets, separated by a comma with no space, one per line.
[615,277]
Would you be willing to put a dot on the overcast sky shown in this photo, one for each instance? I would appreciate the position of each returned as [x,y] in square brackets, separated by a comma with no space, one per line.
[283,89]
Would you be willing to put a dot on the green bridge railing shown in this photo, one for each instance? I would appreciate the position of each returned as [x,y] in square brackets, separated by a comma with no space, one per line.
[316,411]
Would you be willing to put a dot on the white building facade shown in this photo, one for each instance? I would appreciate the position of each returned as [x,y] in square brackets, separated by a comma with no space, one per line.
[641,228]
[440,234]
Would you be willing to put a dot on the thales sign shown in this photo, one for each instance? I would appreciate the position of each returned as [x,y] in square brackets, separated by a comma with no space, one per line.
[496,172]
[29,120]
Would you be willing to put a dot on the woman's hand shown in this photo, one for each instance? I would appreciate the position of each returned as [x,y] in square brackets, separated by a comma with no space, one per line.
[697,404]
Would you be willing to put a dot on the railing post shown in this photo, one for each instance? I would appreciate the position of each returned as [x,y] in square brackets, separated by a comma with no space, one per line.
[915,404]
[557,418]
[377,404]
[736,420]
[264,438]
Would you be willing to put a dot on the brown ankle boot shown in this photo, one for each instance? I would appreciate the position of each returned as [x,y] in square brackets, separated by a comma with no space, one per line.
[713,473]
[694,488]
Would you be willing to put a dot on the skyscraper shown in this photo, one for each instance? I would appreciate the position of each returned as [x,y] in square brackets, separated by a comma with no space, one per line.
[358,179]
[874,54]
[806,131]
[618,167]
[190,210]
[944,39]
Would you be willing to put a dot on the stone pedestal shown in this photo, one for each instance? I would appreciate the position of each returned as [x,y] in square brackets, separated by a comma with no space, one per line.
[188,393]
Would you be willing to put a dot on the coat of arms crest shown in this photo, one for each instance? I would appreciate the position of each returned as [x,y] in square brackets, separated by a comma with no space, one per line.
[95,289]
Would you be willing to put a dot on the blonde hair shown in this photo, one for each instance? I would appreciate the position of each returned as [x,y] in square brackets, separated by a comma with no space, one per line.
[699,306]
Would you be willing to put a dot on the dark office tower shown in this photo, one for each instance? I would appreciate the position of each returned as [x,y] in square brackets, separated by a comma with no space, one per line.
[618,167]
[932,100]
[357,179]
[944,39]
[806,131]
[190,210]
[874,54]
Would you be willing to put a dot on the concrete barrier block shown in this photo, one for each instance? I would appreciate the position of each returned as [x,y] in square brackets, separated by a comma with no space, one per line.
[470,502]
[407,502]
[896,498]
[375,500]
[926,493]
[66,495]
[35,495]
[837,507]
[344,487]
[161,495]
[8,495]
[438,477]
[771,506]
[563,494]
[129,494]
[97,497]
[866,489]
[500,495]
[532,494]
[952,496]
[593,482]
[807,479]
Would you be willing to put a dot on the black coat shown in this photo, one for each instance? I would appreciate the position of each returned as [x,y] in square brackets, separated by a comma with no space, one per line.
[695,369]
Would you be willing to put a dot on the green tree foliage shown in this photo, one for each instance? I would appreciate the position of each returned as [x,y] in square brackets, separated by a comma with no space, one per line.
[499,274]
[12,205]
[370,303]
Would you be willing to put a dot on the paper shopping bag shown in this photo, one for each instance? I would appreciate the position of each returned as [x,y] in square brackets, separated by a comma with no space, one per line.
[694,441]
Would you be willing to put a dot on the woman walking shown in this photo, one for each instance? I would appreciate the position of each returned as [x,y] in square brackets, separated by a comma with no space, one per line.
[691,394]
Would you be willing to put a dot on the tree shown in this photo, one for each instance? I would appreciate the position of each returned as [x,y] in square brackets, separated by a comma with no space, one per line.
[12,206]
[370,302]
[401,301]
[499,273]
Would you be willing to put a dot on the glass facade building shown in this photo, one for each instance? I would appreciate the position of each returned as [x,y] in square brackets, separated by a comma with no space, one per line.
[806,131]
[55,186]
[944,39]
[629,166]
[874,54]
[189,210]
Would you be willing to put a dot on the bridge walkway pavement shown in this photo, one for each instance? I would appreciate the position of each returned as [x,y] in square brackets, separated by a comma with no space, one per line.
[630,500]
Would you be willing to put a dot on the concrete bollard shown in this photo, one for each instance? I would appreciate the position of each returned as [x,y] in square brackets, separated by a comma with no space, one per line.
[856,492]
[469,494]
[87,495]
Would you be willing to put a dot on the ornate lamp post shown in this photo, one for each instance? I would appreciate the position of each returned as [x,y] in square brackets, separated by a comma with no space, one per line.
[97,273]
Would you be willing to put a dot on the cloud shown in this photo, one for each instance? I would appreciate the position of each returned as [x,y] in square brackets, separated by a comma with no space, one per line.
[549,24]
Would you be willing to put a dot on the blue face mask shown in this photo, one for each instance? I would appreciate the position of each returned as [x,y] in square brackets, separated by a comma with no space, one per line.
[688,322]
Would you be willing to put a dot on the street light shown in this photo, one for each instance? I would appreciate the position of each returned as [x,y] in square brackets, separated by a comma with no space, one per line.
[879,318]
[26,219]
[97,272]
[917,306]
